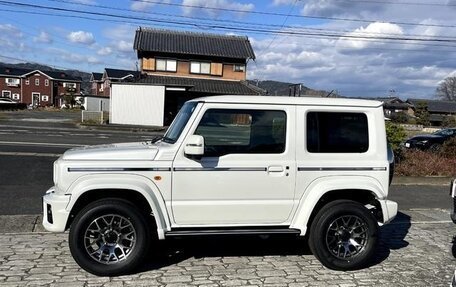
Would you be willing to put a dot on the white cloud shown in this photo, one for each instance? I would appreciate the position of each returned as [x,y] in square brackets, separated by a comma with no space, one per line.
[376,29]
[105,51]
[43,37]
[357,68]
[283,2]
[140,5]
[10,30]
[226,4]
[124,46]
[81,37]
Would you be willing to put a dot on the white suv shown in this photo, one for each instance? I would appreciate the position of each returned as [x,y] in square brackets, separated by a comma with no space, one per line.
[231,165]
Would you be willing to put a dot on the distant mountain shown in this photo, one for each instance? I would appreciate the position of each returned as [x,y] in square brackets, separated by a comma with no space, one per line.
[275,88]
[85,77]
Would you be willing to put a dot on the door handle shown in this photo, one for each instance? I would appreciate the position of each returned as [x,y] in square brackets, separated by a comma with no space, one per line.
[275,168]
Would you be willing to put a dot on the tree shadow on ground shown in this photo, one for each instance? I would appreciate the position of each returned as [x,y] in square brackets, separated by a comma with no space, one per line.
[392,237]
[174,251]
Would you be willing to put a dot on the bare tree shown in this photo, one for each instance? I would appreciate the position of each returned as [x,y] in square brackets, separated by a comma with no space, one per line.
[447,89]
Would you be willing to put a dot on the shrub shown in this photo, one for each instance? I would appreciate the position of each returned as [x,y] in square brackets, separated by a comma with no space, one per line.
[399,117]
[448,149]
[421,163]
[395,135]
[449,122]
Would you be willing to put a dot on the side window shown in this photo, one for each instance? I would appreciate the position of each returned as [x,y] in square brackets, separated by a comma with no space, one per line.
[228,131]
[337,132]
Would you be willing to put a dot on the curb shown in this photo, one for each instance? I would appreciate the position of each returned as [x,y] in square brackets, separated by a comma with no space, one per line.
[126,128]
[30,223]
[422,180]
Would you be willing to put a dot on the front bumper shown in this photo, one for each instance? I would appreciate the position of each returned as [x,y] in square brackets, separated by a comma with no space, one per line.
[389,210]
[453,195]
[55,215]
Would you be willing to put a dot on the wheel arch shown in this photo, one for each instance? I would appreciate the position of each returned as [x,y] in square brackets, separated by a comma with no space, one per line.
[136,189]
[365,190]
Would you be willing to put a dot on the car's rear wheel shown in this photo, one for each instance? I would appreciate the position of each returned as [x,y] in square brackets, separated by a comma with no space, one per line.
[343,235]
[109,237]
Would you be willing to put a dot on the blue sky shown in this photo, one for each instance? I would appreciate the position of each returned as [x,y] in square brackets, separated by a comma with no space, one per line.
[343,62]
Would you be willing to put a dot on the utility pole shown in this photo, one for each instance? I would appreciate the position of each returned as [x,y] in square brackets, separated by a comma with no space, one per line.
[297,88]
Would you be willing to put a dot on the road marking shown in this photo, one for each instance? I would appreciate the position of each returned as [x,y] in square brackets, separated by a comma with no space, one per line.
[31,154]
[39,144]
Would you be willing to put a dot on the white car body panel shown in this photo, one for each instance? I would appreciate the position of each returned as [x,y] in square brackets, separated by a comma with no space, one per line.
[234,189]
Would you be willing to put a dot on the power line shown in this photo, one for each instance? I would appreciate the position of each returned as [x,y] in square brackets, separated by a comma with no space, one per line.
[293,15]
[225,27]
[243,22]
[399,3]
[261,33]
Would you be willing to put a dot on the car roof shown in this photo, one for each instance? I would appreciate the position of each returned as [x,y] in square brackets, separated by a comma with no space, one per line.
[308,101]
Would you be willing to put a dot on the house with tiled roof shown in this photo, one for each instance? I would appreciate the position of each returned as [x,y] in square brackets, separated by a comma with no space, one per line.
[438,110]
[189,65]
[36,87]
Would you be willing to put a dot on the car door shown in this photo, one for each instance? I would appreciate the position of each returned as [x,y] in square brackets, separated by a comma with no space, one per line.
[247,174]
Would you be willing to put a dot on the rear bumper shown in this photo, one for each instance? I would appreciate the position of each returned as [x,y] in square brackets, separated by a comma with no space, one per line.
[389,210]
[453,195]
[55,215]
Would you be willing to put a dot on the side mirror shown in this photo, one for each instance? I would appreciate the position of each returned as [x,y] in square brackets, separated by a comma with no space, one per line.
[194,146]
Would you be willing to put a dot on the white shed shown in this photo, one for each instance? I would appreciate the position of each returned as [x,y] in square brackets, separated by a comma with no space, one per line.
[137,104]
[96,103]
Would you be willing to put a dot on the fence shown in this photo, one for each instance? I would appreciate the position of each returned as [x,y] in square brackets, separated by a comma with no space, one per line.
[93,117]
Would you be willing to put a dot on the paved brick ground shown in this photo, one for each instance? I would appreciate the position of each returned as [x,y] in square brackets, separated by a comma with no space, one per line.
[416,250]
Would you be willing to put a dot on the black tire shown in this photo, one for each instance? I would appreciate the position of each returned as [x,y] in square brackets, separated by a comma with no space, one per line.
[435,147]
[95,214]
[325,241]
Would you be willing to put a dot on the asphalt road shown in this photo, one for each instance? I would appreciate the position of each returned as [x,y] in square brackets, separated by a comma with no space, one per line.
[29,147]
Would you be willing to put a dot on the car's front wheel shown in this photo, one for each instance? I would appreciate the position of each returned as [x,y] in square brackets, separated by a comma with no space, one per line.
[343,235]
[109,237]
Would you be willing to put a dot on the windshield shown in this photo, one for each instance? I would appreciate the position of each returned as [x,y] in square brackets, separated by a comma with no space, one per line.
[448,132]
[179,122]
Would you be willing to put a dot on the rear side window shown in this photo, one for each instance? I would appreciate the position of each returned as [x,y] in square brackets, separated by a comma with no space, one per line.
[229,131]
[329,132]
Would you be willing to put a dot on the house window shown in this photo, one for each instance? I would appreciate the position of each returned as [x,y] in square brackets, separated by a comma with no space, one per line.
[44,98]
[70,85]
[239,68]
[148,63]
[16,97]
[46,82]
[337,132]
[166,65]
[6,94]
[27,82]
[37,82]
[12,81]
[200,68]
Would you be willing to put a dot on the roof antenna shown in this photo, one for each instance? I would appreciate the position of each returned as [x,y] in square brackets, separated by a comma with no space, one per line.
[329,94]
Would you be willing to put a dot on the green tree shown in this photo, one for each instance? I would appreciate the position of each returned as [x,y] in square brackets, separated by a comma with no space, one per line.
[399,117]
[395,135]
[422,114]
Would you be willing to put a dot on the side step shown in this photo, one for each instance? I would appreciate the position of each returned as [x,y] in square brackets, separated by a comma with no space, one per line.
[250,231]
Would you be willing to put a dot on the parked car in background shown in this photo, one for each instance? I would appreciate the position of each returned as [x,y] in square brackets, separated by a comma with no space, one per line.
[6,101]
[432,142]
